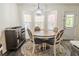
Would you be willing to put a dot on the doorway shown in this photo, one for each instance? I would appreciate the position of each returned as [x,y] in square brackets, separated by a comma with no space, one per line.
[70,25]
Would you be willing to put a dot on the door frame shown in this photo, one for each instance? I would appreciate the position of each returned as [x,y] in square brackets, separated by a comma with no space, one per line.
[74,25]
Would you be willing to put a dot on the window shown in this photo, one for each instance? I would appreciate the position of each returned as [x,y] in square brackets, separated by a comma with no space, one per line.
[69,22]
[52,20]
[39,21]
[27,21]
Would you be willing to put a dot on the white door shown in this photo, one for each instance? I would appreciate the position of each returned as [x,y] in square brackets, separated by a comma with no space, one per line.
[70,25]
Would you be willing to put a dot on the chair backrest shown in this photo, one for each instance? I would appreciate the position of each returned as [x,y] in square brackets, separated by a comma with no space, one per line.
[55,29]
[30,33]
[59,35]
[37,28]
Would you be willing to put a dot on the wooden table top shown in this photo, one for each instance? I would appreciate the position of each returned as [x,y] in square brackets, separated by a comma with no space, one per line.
[45,33]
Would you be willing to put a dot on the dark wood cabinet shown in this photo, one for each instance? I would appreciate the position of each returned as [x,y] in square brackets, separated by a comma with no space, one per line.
[15,37]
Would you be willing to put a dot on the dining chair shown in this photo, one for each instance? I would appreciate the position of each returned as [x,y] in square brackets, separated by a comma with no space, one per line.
[55,42]
[35,40]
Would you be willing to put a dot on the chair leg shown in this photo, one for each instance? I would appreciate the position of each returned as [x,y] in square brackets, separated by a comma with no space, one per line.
[54,50]
[33,52]
[43,46]
[60,48]
[39,46]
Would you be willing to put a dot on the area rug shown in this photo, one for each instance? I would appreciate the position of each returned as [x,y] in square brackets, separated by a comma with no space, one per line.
[26,50]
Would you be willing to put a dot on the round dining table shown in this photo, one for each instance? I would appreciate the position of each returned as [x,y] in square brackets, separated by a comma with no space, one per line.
[45,35]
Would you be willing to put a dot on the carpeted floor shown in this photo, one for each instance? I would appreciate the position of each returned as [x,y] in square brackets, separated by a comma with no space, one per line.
[26,50]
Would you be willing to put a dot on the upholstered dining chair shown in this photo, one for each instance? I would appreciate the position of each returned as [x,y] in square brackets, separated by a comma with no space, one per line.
[55,42]
[36,41]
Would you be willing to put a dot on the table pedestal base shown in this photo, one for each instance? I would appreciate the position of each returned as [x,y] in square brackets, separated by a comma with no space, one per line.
[45,48]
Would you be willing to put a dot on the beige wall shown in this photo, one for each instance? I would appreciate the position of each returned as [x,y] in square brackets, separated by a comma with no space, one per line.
[8,18]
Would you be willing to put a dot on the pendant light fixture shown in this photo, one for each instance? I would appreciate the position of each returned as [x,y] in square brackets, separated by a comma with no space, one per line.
[38,11]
